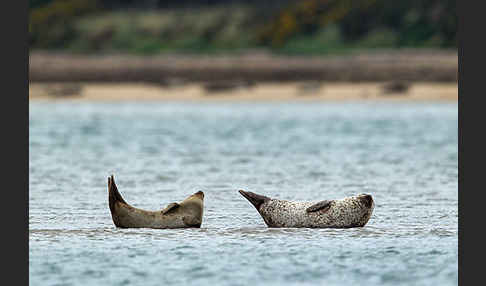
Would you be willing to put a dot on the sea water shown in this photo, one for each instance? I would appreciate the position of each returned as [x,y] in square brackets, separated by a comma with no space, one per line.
[404,154]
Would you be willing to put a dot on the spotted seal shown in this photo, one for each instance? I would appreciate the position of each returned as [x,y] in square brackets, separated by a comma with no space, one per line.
[185,214]
[348,212]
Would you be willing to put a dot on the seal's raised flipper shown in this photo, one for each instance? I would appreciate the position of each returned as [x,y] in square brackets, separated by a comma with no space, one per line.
[114,195]
[255,199]
[170,207]
[325,205]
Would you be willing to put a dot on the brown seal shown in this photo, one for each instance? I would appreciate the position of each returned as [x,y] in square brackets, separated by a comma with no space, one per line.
[344,213]
[185,214]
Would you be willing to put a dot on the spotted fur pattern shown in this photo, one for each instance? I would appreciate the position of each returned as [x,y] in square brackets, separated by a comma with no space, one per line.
[343,213]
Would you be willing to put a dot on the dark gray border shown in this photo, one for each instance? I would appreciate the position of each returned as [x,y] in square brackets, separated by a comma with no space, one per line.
[14,126]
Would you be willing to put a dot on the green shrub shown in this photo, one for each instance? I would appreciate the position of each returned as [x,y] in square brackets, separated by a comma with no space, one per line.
[51,25]
[379,38]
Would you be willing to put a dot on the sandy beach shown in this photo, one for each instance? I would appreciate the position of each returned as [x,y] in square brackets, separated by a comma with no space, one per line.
[303,91]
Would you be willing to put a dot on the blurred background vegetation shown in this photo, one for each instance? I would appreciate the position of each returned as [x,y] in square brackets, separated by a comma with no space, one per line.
[194,26]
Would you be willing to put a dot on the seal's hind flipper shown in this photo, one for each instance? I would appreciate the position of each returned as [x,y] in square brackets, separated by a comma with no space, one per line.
[170,207]
[255,199]
[326,205]
[113,194]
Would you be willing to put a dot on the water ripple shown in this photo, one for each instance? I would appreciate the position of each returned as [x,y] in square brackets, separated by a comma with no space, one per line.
[405,155]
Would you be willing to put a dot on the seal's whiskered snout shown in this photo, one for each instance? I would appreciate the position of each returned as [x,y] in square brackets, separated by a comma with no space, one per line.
[367,200]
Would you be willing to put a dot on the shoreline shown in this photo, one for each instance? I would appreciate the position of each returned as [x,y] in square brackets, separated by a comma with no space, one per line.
[251,68]
[263,92]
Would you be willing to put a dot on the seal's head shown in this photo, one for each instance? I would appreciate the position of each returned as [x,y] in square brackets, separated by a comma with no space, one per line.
[193,201]
[368,206]
[366,200]
[199,194]
[192,209]
[361,205]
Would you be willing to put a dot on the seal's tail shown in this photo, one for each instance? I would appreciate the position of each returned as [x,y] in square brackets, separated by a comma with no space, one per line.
[113,194]
[255,199]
